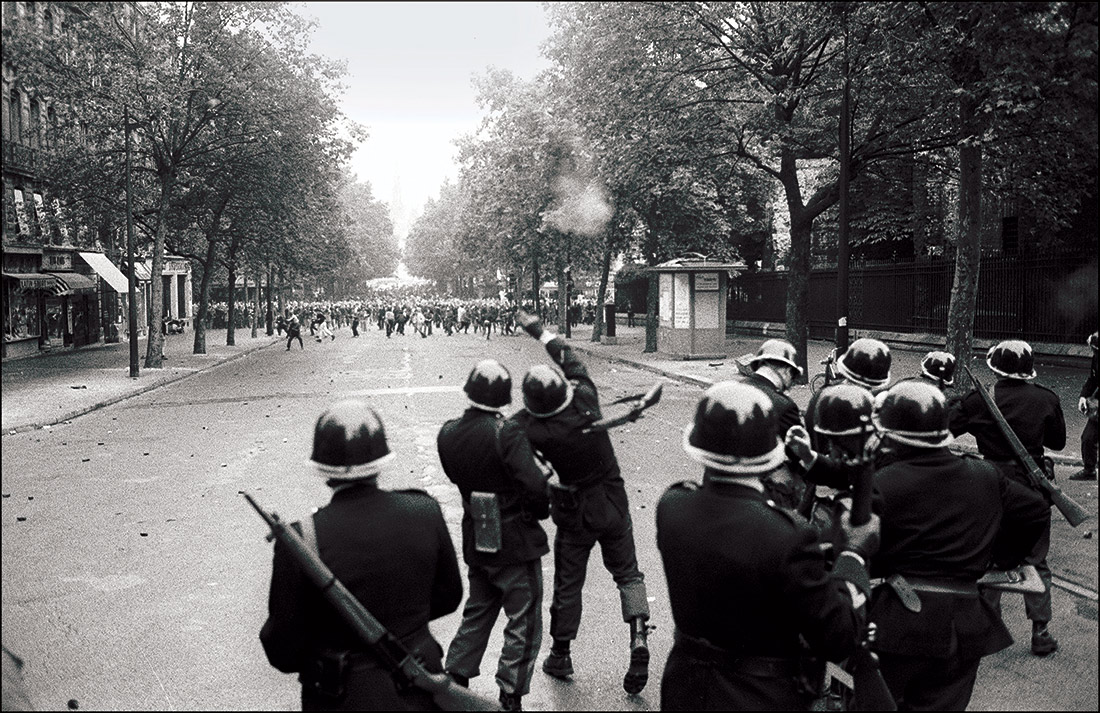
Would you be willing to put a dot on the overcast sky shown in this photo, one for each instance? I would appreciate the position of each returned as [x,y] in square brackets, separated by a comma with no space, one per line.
[409,71]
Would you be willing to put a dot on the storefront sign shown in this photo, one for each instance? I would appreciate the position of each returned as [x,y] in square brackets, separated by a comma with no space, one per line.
[706,282]
[57,261]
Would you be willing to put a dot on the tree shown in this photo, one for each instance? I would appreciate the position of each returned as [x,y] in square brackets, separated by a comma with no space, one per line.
[192,77]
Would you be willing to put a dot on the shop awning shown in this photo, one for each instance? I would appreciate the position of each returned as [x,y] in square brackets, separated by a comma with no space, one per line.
[71,282]
[141,271]
[32,280]
[107,270]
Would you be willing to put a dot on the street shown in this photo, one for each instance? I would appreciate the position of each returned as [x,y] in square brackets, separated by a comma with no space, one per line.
[135,575]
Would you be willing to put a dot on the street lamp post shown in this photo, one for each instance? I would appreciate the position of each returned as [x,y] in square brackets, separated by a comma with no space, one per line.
[132,282]
[842,247]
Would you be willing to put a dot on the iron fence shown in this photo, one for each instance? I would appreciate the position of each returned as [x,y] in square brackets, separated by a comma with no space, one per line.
[1045,299]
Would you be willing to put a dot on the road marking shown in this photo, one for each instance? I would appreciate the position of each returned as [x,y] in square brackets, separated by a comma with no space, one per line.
[1073,588]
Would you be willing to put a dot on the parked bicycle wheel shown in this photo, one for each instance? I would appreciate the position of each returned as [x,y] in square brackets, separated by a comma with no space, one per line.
[817,383]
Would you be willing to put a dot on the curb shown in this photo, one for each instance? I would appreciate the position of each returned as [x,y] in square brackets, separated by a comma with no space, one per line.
[705,383]
[144,388]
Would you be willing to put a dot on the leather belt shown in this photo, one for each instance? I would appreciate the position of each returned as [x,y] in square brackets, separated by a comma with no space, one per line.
[907,587]
[758,666]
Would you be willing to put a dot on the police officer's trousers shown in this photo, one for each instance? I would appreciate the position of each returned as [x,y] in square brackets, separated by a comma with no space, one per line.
[614,532]
[1037,606]
[518,589]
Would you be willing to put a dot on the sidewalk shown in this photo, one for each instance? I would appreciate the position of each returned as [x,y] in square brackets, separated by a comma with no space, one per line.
[53,388]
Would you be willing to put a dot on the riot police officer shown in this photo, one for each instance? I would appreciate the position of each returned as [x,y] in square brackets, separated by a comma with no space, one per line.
[588,503]
[1086,404]
[938,368]
[945,518]
[866,364]
[504,495]
[1035,415]
[391,549]
[748,581]
[775,368]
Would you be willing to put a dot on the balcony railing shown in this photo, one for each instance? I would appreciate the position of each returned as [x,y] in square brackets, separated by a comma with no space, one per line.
[20,158]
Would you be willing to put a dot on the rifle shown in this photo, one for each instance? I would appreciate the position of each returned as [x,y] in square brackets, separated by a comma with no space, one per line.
[390,652]
[869,690]
[637,404]
[1073,512]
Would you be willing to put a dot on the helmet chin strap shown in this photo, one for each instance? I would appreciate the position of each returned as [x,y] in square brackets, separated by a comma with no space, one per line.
[352,472]
[483,407]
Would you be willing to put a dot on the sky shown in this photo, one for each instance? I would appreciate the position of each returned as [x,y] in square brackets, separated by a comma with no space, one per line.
[409,82]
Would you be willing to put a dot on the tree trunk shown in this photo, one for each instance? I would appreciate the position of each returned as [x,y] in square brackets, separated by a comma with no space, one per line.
[601,295]
[231,303]
[653,294]
[204,299]
[154,352]
[535,286]
[270,316]
[798,287]
[256,307]
[964,289]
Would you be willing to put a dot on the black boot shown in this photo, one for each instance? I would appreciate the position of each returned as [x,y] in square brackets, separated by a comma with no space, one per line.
[511,701]
[638,673]
[559,663]
[1042,643]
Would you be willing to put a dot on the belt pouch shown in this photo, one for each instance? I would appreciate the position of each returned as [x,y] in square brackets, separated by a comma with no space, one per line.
[485,510]
[328,673]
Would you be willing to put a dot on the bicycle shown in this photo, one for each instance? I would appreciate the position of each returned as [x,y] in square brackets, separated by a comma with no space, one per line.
[824,378]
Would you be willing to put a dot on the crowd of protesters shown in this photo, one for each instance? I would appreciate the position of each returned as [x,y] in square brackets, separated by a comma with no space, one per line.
[401,313]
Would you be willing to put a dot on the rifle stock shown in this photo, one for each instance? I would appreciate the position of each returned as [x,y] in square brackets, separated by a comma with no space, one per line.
[390,652]
[1071,510]
[637,406]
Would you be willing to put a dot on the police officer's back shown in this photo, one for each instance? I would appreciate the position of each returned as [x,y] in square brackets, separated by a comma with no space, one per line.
[747,580]
[504,495]
[1034,413]
[945,520]
[391,549]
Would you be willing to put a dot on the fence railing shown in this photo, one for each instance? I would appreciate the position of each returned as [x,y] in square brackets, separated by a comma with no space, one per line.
[1046,299]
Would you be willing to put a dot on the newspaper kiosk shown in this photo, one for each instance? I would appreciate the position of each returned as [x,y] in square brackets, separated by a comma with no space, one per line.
[692,308]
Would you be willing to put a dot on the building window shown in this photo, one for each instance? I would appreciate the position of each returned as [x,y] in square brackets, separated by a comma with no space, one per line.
[21,317]
[51,127]
[34,134]
[15,117]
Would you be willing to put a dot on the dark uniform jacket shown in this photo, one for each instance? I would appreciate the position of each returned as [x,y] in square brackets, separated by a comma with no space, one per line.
[1088,390]
[948,518]
[786,411]
[1034,413]
[785,485]
[580,460]
[750,579]
[392,550]
[484,452]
